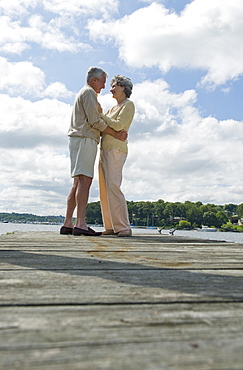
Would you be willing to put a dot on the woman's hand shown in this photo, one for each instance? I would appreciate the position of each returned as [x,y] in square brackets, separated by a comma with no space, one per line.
[121,135]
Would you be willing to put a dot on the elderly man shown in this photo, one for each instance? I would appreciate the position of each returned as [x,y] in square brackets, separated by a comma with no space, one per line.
[84,136]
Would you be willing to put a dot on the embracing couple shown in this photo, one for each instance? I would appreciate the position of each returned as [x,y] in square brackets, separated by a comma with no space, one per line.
[88,124]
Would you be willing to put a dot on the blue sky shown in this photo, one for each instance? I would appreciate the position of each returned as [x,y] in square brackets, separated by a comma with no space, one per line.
[185,61]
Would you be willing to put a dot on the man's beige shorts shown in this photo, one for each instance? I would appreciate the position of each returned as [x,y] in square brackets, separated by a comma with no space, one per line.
[83,152]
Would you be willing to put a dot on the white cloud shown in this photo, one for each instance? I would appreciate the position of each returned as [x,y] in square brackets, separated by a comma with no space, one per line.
[34,161]
[21,77]
[22,23]
[57,90]
[30,124]
[12,36]
[17,7]
[50,35]
[207,35]
[34,181]
[26,79]
[15,38]
[102,8]
[157,109]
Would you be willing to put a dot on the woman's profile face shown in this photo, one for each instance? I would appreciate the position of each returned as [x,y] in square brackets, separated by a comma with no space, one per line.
[117,91]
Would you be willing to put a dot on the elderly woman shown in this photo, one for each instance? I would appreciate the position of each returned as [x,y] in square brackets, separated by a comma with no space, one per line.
[112,159]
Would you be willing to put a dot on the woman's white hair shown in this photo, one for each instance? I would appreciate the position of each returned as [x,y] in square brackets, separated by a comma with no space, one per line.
[123,81]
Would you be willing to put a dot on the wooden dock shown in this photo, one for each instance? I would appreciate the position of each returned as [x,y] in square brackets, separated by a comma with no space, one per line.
[147,302]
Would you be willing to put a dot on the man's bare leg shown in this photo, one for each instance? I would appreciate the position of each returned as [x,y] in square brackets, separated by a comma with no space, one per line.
[71,204]
[82,196]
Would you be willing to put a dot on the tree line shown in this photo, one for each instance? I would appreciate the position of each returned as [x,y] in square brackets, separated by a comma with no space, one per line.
[155,214]
[168,214]
[29,218]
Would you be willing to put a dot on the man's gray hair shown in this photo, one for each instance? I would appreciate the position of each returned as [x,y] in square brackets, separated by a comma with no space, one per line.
[123,81]
[95,72]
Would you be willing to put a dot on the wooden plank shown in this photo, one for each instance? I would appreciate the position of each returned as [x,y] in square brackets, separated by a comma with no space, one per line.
[121,259]
[181,336]
[115,244]
[89,286]
[147,302]
[43,238]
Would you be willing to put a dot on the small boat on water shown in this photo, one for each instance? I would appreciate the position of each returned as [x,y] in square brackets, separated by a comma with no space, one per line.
[206,228]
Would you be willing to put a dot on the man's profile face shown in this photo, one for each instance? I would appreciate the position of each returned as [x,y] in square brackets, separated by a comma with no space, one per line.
[99,83]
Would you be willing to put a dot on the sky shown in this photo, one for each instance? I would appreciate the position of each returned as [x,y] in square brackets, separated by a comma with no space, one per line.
[185,59]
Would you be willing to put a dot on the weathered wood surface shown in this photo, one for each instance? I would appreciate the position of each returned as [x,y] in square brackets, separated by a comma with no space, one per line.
[146,302]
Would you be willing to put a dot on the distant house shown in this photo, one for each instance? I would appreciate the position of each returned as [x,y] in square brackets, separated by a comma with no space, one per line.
[175,220]
[240,221]
[234,219]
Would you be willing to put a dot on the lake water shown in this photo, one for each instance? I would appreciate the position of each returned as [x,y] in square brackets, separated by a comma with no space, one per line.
[223,236]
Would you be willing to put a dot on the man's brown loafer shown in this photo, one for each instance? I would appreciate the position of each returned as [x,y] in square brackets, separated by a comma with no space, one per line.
[90,232]
[66,230]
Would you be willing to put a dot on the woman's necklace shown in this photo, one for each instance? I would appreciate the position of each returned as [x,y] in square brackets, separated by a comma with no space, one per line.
[118,105]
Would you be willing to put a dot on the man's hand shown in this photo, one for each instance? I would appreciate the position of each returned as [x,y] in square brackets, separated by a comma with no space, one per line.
[100,110]
[121,135]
